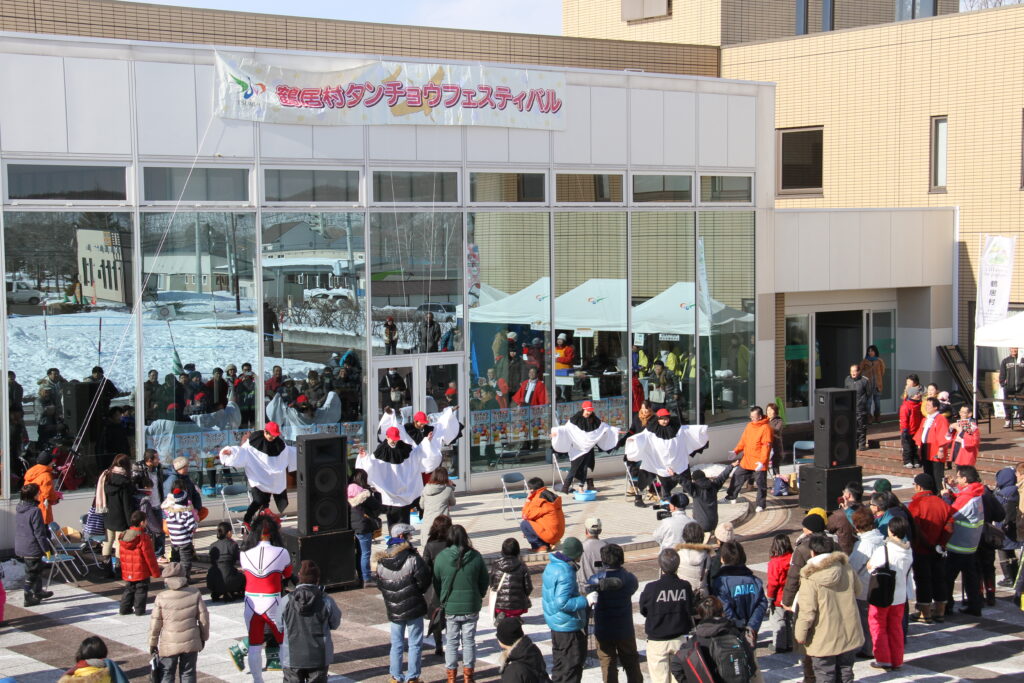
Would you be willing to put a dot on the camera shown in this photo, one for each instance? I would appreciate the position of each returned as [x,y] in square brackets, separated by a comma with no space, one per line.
[663,514]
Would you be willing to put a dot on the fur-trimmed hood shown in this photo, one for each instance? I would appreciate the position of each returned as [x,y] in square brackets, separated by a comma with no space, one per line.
[391,551]
[899,542]
[826,570]
[696,546]
[359,498]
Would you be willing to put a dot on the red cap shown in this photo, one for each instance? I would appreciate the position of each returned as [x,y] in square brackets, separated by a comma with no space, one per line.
[172,406]
[394,434]
[301,399]
[420,417]
[663,413]
[390,319]
[449,392]
[272,428]
[588,405]
[200,394]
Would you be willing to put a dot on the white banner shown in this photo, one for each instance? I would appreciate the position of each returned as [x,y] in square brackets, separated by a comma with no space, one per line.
[389,93]
[995,275]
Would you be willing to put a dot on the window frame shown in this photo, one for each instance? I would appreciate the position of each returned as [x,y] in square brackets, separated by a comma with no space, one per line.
[553,187]
[802,191]
[933,154]
[632,202]
[69,204]
[372,198]
[715,174]
[362,188]
[205,204]
[467,187]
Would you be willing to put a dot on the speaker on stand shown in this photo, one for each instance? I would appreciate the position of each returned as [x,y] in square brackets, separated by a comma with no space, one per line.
[322,480]
[835,450]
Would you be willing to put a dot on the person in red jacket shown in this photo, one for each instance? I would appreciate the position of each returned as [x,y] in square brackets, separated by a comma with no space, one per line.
[910,420]
[931,441]
[781,556]
[965,438]
[532,391]
[138,565]
[930,514]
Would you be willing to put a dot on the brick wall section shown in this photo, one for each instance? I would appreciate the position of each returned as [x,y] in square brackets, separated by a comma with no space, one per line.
[874,90]
[123,20]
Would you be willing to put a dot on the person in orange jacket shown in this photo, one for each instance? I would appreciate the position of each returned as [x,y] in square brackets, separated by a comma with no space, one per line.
[543,520]
[756,446]
[41,474]
[931,441]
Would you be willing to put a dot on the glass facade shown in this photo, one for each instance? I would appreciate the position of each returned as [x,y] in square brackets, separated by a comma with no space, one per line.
[247,312]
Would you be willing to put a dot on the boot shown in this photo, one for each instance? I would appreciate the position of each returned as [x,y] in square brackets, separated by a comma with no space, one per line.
[923,614]
[639,502]
[30,599]
[938,612]
[1009,573]
[990,598]
[467,675]
[452,675]
[590,487]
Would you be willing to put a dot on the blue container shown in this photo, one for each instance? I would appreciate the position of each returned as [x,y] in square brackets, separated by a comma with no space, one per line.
[585,496]
[209,491]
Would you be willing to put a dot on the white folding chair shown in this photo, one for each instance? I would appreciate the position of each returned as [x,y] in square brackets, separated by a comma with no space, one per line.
[234,490]
[508,497]
[562,472]
[632,483]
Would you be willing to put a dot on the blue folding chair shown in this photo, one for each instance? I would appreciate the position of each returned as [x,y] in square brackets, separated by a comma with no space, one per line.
[509,497]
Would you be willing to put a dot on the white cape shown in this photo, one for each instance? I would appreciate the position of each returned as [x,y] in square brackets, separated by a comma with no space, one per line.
[445,424]
[268,473]
[401,484]
[661,455]
[569,438]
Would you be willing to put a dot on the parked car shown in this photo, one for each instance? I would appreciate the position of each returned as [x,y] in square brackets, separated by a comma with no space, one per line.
[21,293]
[443,312]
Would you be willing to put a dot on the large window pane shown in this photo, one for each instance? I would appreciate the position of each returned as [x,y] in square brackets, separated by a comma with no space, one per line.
[797,356]
[47,181]
[725,246]
[800,160]
[311,185]
[415,186]
[314,313]
[506,187]
[665,305]
[197,185]
[200,335]
[69,310]
[509,332]
[416,282]
[662,188]
[591,352]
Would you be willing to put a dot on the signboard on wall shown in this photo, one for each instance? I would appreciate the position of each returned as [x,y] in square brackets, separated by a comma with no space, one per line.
[379,93]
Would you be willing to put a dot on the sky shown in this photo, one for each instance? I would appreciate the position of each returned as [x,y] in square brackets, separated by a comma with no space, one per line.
[520,16]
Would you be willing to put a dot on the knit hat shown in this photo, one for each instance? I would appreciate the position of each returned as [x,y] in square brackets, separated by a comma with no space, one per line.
[724,532]
[561,337]
[572,548]
[814,523]
[180,496]
[820,512]
[509,631]
[420,417]
[883,486]
[679,500]
[513,336]
[44,458]
[914,393]
[179,463]
[394,434]
[925,481]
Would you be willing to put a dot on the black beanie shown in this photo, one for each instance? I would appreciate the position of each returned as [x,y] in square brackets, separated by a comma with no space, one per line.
[509,630]
[44,458]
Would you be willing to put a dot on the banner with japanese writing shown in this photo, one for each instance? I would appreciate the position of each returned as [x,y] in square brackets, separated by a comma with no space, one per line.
[390,93]
[995,275]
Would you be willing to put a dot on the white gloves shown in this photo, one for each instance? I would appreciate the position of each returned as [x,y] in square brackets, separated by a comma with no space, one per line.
[592,598]
[759,466]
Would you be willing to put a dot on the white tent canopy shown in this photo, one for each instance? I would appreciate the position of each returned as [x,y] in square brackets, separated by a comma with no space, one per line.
[672,311]
[529,306]
[1007,332]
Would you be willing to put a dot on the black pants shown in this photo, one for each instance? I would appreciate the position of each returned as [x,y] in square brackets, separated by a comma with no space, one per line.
[580,468]
[910,455]
[741,476]
[33,575]
[930,577]
[293,675]
[862,428]
[645,479]
[186,555]
[397,514]
[134,597]
[937,470]
[261,501]
[987,566]
[837,669]
[568,655]
[966,566]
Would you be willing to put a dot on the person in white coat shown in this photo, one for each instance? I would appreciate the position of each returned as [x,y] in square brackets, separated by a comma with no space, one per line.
[396,470]
[267,459]
[869,539]
[663,451]
[886,623]
[579,436]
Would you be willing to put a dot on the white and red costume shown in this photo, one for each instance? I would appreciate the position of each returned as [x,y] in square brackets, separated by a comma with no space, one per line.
[265,568]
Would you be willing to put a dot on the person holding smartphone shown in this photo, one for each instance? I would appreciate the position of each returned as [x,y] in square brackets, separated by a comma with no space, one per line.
[965,438]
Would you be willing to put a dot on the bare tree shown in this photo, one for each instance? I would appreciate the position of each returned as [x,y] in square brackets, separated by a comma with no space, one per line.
[970,5]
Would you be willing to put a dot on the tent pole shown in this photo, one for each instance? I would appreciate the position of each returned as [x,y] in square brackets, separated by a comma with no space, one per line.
[974,389]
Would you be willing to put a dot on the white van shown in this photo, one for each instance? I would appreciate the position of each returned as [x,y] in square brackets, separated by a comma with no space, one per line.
[22,293]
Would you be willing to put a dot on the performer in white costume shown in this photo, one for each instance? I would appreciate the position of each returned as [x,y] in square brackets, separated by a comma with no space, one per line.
[267,459]
[579,436]
[663,451]
[444,425]
[396,467]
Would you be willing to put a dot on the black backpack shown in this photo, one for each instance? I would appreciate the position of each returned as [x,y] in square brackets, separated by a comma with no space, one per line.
[723,658]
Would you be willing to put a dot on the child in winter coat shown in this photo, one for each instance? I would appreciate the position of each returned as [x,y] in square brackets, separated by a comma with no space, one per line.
[180,522]
[93,666]
[741,593]
[510,580]
[695,559]
[30,543]
[886,623]
[910,420]
[781,620]
[180,625]
[224,580]
[138,565]
[308,615]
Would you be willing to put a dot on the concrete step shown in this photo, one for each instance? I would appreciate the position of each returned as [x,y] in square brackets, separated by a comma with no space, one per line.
[881,461]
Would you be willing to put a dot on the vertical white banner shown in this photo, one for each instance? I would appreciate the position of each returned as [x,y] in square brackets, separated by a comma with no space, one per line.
[995,275]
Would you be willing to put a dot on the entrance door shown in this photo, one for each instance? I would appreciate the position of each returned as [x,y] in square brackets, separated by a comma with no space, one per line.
[881,329]
[408,384]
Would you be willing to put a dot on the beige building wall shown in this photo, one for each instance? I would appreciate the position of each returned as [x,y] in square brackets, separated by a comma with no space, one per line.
[875,90]
[722,22]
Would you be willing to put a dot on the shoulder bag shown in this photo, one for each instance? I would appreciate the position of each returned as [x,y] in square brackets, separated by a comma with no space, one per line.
[437,617]
[882,586]
[492,602]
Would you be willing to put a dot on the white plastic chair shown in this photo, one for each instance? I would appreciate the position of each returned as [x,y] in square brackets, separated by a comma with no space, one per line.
[509,497]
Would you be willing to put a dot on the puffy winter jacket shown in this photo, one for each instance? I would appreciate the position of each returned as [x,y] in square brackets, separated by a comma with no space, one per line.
[910,416]
[524,663]
[138,561]
[801,554]
[224,576]
[900,559]
[435,500]
[309,616]
[967,521]
[755,445]
[778,567]
[42,476]
[931,519]
[564,607]
[514,593]
[461,590]
[543,509]
[613,614]
[694,561]
[1008,496]
[120,501]
[403,578]
[30,533]
[865,547]
[364,506]
[742,595]
[827,622]
[180,622]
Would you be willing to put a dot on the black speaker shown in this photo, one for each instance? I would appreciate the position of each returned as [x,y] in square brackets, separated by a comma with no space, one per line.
[75,399]
[821,487]
[322,480]
[835,428]
[334,552]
